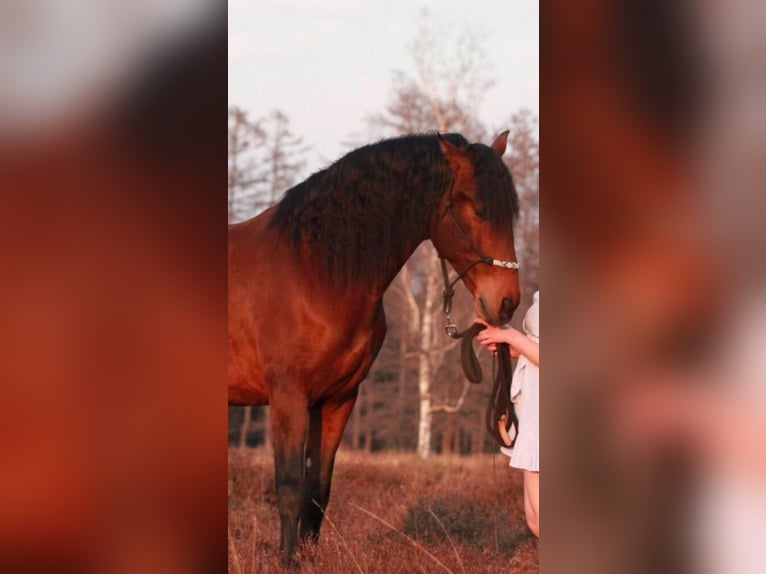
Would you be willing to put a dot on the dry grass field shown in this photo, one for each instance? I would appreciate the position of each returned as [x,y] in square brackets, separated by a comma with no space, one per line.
[389,514]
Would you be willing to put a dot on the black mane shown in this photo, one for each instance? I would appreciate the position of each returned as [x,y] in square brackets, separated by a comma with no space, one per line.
[372,204]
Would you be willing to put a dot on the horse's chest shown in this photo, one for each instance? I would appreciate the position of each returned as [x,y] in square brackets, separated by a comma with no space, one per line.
[348,364]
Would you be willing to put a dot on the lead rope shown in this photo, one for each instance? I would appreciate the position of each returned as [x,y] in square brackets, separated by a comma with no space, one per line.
[500,402]
[500,399]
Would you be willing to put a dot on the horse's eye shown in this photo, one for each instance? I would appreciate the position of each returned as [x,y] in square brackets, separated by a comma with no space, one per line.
[480,213]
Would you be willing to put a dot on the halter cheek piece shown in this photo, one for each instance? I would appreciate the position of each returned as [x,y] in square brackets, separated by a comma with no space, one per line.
[449,286]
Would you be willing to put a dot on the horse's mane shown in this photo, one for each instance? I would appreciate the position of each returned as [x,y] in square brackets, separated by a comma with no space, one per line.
[370,205]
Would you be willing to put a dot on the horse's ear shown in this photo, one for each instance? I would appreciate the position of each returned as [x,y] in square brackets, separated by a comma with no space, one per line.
[452,153]
[501,141]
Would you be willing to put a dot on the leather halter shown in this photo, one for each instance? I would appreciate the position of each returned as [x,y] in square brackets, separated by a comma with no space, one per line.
[449,286]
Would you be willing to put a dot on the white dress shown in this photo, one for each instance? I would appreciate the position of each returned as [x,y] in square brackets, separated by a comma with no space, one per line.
[525,394]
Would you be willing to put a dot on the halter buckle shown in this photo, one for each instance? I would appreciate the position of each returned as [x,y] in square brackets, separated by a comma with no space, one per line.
[451,330]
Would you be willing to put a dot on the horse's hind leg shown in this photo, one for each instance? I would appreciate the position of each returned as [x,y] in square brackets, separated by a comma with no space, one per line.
[289,417]
[327,422]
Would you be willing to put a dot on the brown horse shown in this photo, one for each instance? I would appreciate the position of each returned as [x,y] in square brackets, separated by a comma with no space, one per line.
[306,283]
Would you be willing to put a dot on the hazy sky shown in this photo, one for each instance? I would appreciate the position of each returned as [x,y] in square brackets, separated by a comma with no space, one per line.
[329,63]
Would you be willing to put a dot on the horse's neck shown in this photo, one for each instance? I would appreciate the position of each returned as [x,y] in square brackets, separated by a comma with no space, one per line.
[396,265]
[384,232]
[408,242]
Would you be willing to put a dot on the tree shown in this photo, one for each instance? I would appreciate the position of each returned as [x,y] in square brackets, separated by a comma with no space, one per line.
[444,97]
[265,160]
[524,163]
[283,161]
[245,139]
[445,94]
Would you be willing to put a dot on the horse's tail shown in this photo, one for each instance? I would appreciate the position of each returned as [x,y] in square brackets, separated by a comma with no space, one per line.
[500,400]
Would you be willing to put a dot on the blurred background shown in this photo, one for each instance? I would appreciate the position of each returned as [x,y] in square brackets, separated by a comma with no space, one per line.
[112,238]
[652,439]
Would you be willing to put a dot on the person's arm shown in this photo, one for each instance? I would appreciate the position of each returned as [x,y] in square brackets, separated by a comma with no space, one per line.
[516,339]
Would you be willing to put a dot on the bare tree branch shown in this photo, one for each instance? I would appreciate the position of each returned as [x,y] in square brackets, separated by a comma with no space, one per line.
[447,408]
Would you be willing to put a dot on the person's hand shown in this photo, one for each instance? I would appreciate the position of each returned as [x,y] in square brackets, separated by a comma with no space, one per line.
[491,336]
[503,431]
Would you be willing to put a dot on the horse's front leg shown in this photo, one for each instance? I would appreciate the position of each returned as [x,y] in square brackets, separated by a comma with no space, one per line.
[327,422]
[289,417]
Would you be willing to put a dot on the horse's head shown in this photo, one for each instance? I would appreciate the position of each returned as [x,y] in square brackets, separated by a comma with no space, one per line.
[473,228]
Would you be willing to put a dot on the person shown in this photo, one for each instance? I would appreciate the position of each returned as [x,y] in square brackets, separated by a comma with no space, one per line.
[525,454]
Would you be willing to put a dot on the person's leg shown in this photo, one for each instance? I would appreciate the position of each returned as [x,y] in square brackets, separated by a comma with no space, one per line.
[532,500]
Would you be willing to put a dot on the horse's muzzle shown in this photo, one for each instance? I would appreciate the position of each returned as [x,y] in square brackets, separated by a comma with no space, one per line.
[504,313]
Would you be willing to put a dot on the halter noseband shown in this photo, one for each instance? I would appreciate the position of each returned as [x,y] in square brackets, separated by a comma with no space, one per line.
[449,290]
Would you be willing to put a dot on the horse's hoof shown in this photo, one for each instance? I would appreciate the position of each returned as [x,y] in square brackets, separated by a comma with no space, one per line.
[290,561]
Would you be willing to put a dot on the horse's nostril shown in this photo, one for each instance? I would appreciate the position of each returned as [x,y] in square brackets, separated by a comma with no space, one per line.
[507,307]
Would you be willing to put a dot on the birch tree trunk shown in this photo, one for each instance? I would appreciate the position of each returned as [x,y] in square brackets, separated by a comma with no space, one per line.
[424,423]
[425,366]
[402,385]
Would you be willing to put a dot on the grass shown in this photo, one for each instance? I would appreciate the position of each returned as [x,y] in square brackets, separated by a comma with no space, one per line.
[389,513]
